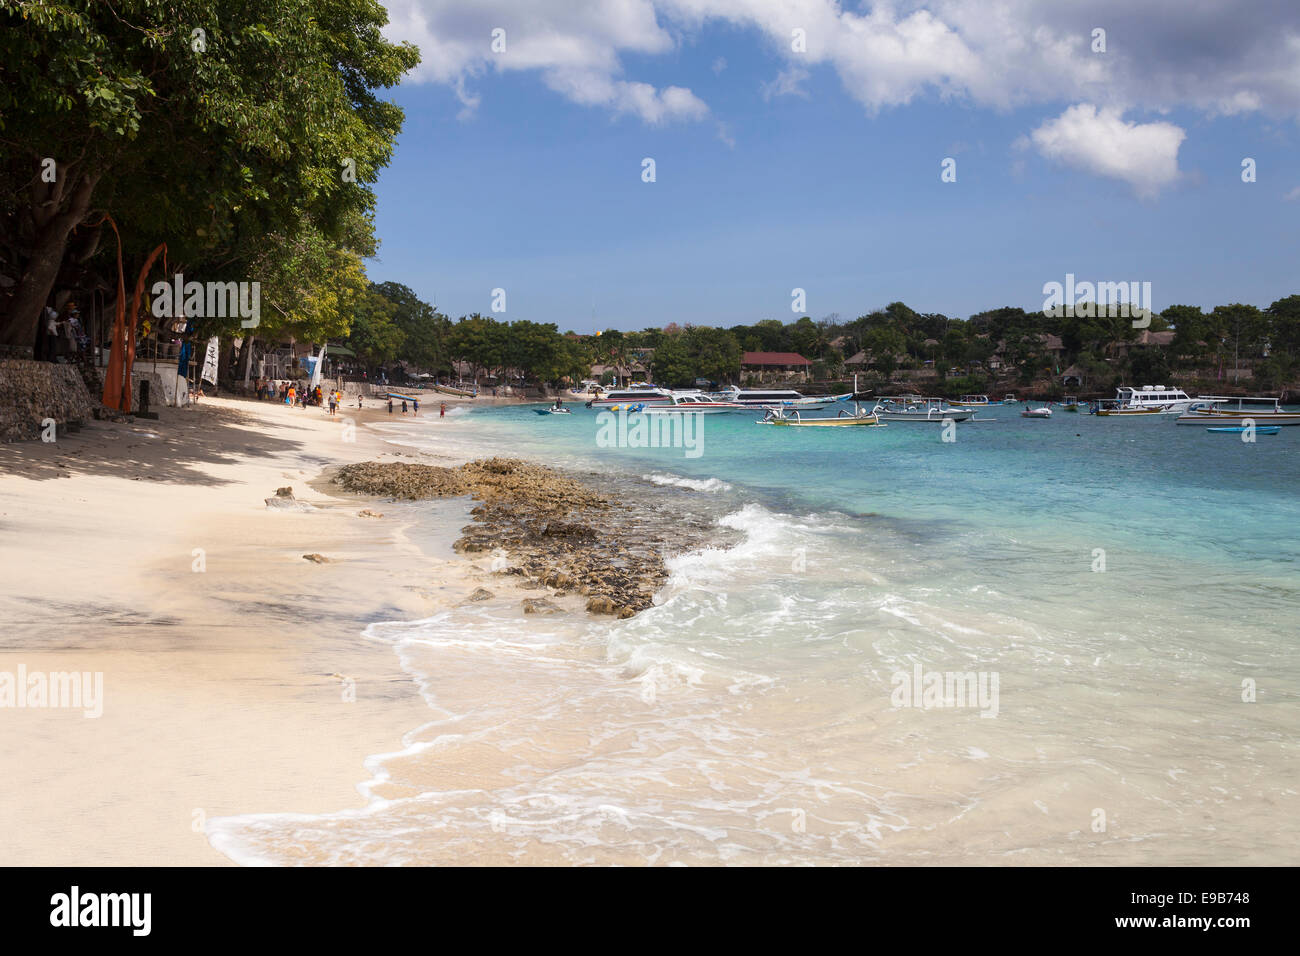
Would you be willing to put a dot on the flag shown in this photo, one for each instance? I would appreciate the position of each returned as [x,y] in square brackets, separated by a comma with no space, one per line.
[209,373]
[320,367]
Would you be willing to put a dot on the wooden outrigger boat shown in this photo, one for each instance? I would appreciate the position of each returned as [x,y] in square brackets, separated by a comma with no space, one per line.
[1238,410]
[791,417]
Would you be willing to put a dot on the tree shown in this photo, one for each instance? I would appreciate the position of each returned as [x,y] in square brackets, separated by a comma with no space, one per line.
[424,330]
[375,337]
[251,115]
[1244,326]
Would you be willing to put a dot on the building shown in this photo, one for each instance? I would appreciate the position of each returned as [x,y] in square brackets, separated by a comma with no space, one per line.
[775,366]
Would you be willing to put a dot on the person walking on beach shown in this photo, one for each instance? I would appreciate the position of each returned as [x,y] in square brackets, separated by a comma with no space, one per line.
[415,403]
[334,403]
[403,406]
[442,412]
[390,404]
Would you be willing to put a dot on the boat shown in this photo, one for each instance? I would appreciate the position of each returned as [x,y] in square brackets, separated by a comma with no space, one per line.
[1241,429]
[1237,410]
[1009,399]
[690,403]
[1107,407]
[460,388]
[553,411]
[793,417]
[1071,403]
[914,408]
[972,401]
[1147,400]
[771,398]
[1043,412]
[636,394]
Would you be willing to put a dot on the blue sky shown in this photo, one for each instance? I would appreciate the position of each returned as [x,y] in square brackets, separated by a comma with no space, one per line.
[521,184]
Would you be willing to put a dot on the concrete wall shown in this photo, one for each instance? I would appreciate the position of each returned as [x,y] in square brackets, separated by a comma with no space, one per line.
[31,392]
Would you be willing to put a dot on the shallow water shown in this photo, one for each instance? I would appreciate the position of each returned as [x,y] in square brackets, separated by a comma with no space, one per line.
[1111,586]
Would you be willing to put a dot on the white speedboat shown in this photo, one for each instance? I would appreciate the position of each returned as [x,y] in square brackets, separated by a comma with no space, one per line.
[1240,411]
[1043,412]
[1150,400]
[638,394]
[771,398]
[691,403]
[914,408]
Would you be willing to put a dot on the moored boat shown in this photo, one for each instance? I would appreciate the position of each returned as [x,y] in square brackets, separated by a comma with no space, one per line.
[1043,412]
[771,398]
[1242,429]
[914,408]
[1147,400]
[794,418]
[1238,410]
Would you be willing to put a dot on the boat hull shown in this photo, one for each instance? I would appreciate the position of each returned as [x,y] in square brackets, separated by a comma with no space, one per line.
[1238,418]
[1242,429]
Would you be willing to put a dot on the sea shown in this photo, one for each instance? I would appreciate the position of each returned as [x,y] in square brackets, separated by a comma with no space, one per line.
[1071,641]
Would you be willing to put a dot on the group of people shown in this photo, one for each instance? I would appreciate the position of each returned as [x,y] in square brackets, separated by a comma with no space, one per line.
[295,394]
[61,336]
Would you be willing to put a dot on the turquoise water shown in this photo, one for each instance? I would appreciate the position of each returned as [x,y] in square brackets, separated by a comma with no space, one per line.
[1123,592]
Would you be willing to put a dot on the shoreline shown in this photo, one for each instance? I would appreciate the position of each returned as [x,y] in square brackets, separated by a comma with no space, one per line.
[235,676]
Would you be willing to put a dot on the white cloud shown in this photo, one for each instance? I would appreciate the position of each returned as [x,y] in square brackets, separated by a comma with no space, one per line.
[1213,56]
[1100,141]
[1292,195]
[787,83]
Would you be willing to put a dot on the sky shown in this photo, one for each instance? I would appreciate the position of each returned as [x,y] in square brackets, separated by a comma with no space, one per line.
[803,145]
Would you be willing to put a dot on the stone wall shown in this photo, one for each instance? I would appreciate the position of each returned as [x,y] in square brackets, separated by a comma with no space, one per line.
[31,392]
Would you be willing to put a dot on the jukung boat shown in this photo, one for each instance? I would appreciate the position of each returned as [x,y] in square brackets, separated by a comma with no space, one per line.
[1071,403]
[914,408]
[793,418]
[1237,410]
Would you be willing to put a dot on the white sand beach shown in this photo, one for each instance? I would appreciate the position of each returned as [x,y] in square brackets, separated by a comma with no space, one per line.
[225,689]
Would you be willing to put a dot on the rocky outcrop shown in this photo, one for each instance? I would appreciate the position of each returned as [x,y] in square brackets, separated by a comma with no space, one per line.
[33,392]
[548,527]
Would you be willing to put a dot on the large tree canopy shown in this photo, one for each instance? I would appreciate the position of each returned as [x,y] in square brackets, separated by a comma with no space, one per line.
[235,132]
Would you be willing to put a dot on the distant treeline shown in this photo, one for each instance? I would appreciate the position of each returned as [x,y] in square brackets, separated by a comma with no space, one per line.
[392,323]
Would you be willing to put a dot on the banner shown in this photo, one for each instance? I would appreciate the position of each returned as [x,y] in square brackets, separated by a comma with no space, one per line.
[319,368]
[209,373]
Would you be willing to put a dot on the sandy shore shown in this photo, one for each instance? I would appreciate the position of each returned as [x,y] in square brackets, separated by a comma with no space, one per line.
[229,662]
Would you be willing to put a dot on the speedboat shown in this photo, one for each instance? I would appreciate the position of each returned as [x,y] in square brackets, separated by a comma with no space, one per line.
[690,403]
[637,394]
[771,398]
[1238,410]
[1148,400]
[553,411]
[1043,412]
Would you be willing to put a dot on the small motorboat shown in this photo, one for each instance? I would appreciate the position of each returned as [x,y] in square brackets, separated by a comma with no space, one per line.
[552,411]
[1043,412]
[1241,429]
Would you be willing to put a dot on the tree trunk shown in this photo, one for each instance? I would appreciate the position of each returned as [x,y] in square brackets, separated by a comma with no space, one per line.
[42,268]
[246,360]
